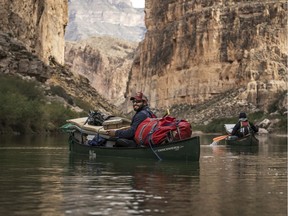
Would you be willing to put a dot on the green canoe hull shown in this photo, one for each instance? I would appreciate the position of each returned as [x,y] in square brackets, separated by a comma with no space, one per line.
[250,140]
[183,150]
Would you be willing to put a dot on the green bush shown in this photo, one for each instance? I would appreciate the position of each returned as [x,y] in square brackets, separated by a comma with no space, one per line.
[24,110]
[257,116]
[59,91]
[29,89]
[282,125]
[217,125]
[84,105]
[57,114]
[275,105]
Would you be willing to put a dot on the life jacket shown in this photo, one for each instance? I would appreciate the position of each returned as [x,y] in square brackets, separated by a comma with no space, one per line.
[154,131]
[244,128]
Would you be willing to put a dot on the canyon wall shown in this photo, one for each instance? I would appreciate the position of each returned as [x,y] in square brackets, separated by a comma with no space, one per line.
[32,47]
[115,18]
[105,62]
[38,24]
[197,50]
[16,60]
[101,39]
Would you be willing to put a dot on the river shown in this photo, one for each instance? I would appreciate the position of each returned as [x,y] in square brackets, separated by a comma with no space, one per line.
[40,177]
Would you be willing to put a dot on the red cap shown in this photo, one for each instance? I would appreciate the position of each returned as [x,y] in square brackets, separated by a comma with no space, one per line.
[139,96]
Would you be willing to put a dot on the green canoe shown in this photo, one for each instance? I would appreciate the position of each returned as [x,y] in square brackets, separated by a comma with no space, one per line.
[181,150]
[184,150]
[84,140]
[249,140]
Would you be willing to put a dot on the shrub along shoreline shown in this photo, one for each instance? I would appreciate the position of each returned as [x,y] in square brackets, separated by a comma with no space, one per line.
[24,108]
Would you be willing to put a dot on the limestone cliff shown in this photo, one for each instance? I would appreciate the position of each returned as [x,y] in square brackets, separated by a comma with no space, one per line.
[195,51]
[40,25]
[105,62]
[115,18]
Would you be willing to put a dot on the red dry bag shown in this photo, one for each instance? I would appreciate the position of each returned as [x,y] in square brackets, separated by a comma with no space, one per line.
[155,131]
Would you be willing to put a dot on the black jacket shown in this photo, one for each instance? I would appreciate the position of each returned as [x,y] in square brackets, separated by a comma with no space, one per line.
[139,116]
[237,128]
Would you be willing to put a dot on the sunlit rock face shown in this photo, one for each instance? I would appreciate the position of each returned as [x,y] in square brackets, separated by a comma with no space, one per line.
[196,50]
[105,62]
[40,25]
[116,18]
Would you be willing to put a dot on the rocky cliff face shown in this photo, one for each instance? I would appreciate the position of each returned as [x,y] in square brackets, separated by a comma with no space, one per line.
[32,44]
[16,60]
[116,18]
[195,51]
[105,62]
[40,25]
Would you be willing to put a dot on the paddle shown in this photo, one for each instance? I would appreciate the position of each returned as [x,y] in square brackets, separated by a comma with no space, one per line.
[216,139]
[167,113]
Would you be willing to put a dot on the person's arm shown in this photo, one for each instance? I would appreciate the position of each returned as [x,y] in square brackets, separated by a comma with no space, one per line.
[235,129]
[129,133]
[254,128]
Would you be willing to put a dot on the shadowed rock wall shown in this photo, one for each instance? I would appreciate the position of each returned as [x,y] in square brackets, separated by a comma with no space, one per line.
[38,24]
[105,62]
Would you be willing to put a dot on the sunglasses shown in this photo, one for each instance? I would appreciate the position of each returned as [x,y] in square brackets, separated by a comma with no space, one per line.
[137,101]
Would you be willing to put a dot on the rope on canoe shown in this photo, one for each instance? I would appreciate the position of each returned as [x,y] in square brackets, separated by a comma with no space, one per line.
[159,158]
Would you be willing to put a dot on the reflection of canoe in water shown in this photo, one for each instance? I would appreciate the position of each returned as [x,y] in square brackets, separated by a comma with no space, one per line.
[130,165]
[248,140]
[243,150]
[181,150]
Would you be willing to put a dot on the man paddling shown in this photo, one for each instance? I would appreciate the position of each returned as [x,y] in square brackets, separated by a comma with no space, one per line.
[243,126]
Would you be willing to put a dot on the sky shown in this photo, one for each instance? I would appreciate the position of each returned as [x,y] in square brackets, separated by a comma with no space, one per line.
[138,3]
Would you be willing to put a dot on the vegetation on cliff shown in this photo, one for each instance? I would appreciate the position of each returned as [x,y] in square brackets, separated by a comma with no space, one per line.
[25,109]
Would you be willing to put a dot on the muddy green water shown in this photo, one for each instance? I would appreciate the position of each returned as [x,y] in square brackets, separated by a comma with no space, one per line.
[40,177]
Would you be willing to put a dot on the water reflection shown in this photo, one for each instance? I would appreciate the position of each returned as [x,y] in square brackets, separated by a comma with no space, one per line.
[40,177]
[30,179]
[133,186]
[36,140]
[221,150]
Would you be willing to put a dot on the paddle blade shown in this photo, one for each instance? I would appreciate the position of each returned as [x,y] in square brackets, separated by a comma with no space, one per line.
[219,138]
[214,143]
